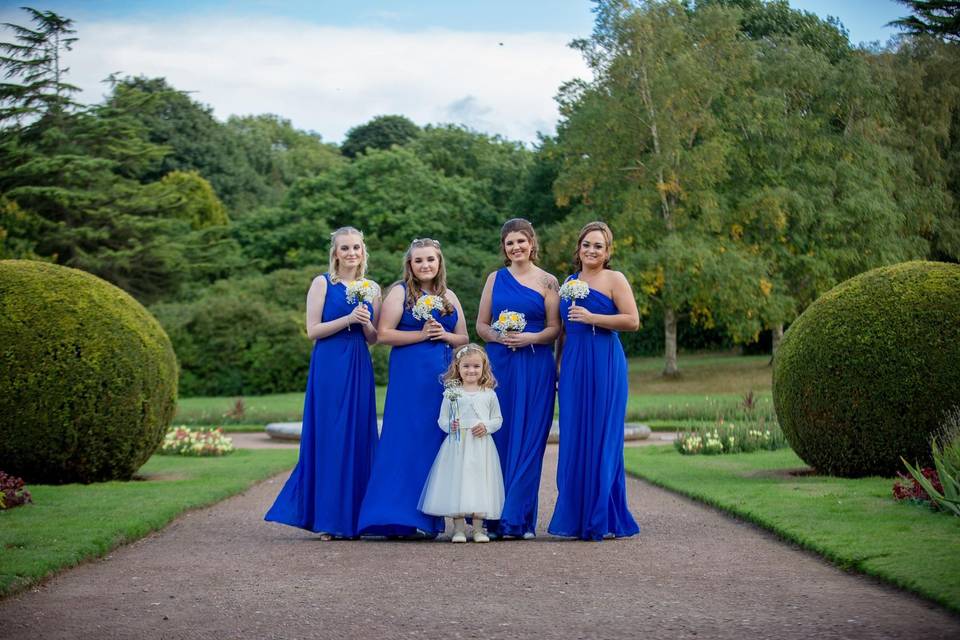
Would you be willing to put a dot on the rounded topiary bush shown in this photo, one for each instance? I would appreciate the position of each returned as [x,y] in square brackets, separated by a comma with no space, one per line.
[88,378]
[867,372]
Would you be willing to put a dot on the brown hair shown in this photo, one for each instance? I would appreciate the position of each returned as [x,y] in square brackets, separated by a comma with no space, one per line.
[487,381]
[607,236]
[334,265]
[414,290]
[523,226]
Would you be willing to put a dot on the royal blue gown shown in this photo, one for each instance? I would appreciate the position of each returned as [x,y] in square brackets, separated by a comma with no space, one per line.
[526,389]
[410,439]
[592,499]
[339,436]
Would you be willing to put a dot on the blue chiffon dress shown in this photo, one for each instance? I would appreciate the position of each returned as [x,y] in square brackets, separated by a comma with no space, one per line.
[526,389]
[592,499]
[409,439]
[339,436]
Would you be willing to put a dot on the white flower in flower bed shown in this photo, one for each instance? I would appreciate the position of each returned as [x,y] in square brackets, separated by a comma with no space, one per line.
[199,442]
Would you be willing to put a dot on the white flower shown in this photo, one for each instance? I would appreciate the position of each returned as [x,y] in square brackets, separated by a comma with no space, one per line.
[509,321]
[574,289]
[362,290]
[425,305]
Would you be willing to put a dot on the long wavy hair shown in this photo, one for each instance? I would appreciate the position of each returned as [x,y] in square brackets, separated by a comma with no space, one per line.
[607,236]
[334,265]
[524,227]
[487,381]
[414,288]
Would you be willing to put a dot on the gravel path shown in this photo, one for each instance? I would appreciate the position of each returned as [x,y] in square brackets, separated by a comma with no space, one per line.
[692,572]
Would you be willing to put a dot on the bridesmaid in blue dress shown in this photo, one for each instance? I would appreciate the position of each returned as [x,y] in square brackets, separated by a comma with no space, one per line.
[524,366]
[592,501]
[339,435]
[410,439]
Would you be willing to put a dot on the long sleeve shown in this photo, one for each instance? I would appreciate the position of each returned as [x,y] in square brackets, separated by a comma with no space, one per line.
[444,420]
[495,419]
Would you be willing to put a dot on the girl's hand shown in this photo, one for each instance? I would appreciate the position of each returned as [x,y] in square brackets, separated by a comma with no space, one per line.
[479,430]
[517,339]
[434,329]
[360,315]
[455,423]
[579,314]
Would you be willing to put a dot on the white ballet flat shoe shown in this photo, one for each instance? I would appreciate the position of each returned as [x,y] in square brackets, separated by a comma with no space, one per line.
[459,536]
[480,536]
[529,535]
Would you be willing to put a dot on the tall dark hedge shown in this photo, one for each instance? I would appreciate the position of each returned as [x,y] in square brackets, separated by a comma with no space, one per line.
[88,378]
[866,373]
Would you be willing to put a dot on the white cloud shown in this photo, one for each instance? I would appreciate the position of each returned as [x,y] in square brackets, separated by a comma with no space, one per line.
[329,79]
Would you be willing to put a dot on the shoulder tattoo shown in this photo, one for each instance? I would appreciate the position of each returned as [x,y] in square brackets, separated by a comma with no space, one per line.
[549,282]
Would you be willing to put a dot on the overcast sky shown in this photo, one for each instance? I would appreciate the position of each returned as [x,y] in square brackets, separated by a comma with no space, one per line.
[328,65]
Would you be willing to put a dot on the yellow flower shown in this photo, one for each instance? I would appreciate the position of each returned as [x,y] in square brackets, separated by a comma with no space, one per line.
[503,317]
[766,286]
[514,317]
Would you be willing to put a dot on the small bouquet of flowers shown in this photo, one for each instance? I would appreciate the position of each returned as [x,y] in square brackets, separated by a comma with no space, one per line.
[453,391]
[360,291]
[509,321]
[574,290]
[426,304]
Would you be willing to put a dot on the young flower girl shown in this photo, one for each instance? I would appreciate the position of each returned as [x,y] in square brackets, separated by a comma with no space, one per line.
[465,479]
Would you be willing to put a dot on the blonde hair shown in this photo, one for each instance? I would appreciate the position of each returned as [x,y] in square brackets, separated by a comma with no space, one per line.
[414,290]
[334,266]
[487,381]
[522,226]
[607,236]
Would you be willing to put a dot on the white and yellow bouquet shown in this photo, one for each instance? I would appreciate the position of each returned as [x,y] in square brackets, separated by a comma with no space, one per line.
[574,290]
[363,290]
[509,321]
[425,305]
[453,391]
[360,291]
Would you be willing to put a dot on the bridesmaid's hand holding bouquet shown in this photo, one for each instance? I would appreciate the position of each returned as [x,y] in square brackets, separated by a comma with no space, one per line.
[509,322]
[359,292]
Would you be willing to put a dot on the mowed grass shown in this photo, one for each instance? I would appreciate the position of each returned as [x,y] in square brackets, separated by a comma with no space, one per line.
[709,385]
[69,524]
[257,410]
[855,523]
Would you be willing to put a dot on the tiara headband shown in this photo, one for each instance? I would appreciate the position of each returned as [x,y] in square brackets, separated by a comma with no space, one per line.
[467,347]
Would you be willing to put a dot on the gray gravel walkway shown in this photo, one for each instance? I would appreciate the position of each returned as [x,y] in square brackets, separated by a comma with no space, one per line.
[692,573]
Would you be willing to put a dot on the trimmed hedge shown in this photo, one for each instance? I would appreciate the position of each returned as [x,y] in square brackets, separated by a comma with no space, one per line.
[867,372]
[88,378]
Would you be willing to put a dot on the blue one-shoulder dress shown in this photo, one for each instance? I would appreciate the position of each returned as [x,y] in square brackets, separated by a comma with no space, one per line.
[592,499]
[410,439]
[339,436]
[526,389]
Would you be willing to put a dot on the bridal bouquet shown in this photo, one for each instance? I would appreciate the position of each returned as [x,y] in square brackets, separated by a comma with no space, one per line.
[425,305]
[360,291]
[574,290]
[509,321]
[453,391]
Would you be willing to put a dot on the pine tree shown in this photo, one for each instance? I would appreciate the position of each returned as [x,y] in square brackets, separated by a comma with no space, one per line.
[940,18]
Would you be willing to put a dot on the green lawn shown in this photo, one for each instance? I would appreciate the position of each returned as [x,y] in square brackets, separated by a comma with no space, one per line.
[710,385]
[69,524]
[854,523]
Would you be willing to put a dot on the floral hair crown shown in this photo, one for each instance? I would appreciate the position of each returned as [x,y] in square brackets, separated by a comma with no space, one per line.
[464,349]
